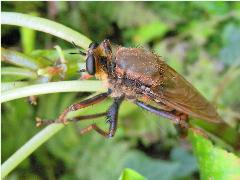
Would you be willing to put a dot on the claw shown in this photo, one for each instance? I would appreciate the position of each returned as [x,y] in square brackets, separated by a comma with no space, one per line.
[38,122]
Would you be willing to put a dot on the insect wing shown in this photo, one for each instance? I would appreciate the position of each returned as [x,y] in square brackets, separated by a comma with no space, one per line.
[178,93]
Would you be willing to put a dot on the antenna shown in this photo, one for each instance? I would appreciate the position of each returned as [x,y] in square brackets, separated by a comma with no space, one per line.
[79,51]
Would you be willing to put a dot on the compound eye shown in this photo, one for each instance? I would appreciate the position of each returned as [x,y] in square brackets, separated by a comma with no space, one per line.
[90,65]
[93,45]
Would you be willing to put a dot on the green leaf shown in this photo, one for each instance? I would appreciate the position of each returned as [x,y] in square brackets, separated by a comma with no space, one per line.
[5,86]
[23,152]
[52,87]
[214,162]
[45,25]
[21,72]
[27,39]
[18,59]
[129,174]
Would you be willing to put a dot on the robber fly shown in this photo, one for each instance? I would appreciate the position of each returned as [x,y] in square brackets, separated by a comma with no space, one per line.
[142,77]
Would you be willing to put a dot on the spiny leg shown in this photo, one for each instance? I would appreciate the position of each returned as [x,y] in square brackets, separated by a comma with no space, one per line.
[112,118]
[85,103]
[178,119]
[112,115]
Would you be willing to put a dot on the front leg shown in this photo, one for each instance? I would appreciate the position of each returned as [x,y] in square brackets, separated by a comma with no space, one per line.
[112,115]
[85,103]
[112,119]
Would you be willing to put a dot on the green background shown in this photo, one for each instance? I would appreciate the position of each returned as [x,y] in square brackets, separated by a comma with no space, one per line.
[201,40]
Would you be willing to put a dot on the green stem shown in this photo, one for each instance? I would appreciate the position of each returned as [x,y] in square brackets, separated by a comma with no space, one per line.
[48,132]
[28,148]
[18,59]
[6,86]
[15,71]
[45,25]
[67,34]
[52,87]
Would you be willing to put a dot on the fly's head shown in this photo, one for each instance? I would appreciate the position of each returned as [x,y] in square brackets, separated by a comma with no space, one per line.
[99,56]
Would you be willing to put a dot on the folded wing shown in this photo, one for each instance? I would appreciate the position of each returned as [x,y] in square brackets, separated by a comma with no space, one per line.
[178,93]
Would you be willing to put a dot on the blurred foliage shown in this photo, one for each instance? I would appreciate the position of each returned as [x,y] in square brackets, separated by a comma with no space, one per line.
[201,40]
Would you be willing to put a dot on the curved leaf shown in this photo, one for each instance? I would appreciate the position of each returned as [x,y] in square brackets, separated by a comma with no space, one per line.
[22,72]
[5,86]
[129,174]
[214,162]
[45,25]
[18,59]
[52,87]
[29,147]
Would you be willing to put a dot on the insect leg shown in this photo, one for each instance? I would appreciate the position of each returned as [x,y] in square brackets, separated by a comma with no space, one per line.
[87,117]
[112,118]
[88,102]
[169,115]
[112,115]
[76,119]
[96,128]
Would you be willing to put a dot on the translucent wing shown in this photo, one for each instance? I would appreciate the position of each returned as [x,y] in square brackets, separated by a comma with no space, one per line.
[178,93]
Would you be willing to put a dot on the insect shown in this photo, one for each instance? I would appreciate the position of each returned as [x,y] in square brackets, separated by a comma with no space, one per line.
[140,76]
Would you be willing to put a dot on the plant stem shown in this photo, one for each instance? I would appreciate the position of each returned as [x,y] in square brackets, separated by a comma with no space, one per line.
[29,147]
[16,71]
[45,25]
[49,131]
[19,59]
[65,33]
[6,86]
[52,87]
